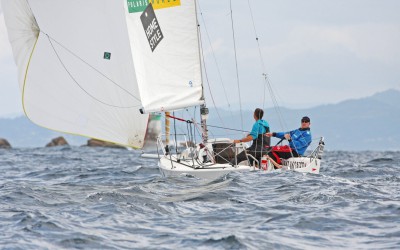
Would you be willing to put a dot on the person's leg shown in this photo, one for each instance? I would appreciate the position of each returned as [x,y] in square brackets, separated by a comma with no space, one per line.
[274,157]
[278,155]
[285,155]
[240,157]
[256,155]
[276,165]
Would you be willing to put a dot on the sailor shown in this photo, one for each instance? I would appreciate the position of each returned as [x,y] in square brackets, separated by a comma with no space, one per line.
[299,139]
[257,135]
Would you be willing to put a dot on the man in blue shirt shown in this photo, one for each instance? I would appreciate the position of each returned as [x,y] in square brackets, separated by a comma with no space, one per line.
[257,135]
[299,140]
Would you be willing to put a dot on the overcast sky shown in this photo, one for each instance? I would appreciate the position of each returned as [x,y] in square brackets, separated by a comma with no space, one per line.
[315,52]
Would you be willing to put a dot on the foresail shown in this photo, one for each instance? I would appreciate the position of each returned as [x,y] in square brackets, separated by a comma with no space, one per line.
[166,55]
[75,67]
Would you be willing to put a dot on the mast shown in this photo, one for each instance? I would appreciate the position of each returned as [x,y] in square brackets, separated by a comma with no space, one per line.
[203,107]
[204,116]
[167,114]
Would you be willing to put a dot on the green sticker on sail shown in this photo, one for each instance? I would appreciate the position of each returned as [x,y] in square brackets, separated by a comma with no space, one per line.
[137,5]
[107,55]
[140,5]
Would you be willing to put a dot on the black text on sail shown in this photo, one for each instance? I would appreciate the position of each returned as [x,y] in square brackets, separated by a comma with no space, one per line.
[151,27]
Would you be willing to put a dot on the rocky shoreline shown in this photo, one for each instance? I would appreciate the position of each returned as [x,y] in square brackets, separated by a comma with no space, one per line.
[4,143]
[61,141]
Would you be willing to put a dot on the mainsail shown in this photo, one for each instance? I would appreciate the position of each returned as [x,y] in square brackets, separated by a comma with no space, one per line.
[86,67]
[166,54]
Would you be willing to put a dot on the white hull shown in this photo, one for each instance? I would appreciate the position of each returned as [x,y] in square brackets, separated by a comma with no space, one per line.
[209,172]
[149,156]
[170,166]
[302,164]
[215,171]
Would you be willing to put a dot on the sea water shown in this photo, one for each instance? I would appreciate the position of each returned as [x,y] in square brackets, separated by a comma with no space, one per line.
[100,198]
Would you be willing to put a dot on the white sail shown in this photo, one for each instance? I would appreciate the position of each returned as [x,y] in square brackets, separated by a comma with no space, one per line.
[166,53]
[75,67]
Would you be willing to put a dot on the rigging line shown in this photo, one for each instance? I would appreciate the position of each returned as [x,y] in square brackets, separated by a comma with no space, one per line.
[263,68]
[98,71]
[255,32]
[208,83]
[206,75]
[236,64]
[275,102]
[208,153]
[179,128]
[200,131]
[194,133]
[232,129]
[194,112]
[191,139]
[216,109]
[215,59]
[69,73]
[176,141]
[267,81]
[189,121]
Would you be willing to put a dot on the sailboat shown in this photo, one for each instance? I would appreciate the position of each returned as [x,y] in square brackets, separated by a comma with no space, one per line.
[100,68]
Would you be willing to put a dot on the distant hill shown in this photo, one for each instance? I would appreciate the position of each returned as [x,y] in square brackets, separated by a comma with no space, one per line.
[369,123]
[362,124]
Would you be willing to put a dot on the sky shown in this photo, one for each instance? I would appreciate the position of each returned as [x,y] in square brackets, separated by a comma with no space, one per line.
[314,52]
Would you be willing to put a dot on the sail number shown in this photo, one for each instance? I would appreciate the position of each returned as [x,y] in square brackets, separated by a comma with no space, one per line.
[294,164]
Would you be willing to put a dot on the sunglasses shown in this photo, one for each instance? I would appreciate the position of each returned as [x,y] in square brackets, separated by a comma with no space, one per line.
[304,121]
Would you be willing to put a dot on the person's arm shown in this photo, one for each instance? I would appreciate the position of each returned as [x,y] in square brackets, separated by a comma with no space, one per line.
[246,139]
[279,135]
[251,136]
